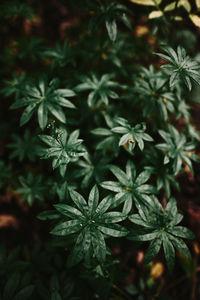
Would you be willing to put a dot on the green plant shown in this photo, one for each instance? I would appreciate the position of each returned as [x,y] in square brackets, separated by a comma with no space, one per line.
[63,148]
[44,98]
[62,55]
[160,227]
[181,67]
[177,149]
[129,187]
[93,221]
[138,145]
[131,135]
[101,89]
[109,13]
[31,189]
[26,147]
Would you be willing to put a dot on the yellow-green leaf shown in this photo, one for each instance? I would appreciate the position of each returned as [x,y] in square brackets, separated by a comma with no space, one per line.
[197,3]
[195,19]
[170,6]
[155,14]
[178,18]
[185,4]
[147,2]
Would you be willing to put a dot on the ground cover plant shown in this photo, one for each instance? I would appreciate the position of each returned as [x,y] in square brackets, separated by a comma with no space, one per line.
[99,150]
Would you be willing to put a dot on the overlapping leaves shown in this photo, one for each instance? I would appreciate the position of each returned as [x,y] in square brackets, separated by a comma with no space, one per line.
[129,187]
[109,14]
[92,221]
[110,141]
[44,98]
[92,169]
[160,227]
[31,188]
[63,148]
[165,177]
[25,147]
[61,55]
[177,149]
[151,89]
[181,67]
[100,89]
[131,135]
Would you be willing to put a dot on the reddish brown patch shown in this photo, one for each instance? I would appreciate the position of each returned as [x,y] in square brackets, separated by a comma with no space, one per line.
[8,221]
[140,257]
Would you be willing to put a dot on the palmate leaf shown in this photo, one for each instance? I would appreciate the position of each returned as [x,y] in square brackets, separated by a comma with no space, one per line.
[31,49]
[15,86]
[160,227]
[101,89]
[31,188]
[109,14]
[61,55]
[152,92]
[181,67]
[177,149]
[44,98]
[129,187]
[26,147]
[63,148]
[131,135]
[92,220]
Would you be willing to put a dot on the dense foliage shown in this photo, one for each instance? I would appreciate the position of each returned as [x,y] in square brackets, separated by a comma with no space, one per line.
[99,131]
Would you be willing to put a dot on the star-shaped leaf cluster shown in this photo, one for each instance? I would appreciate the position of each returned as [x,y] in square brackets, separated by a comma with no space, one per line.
[16,85]
[44,98]
[61,55]
[32,188]
[131,135]
[26,146]
[129,187]
[100,89]
[152,89]
[181,67]
[31,49]
[92,221]
[63,148]
[109,14]
[177,149]
[160,227]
